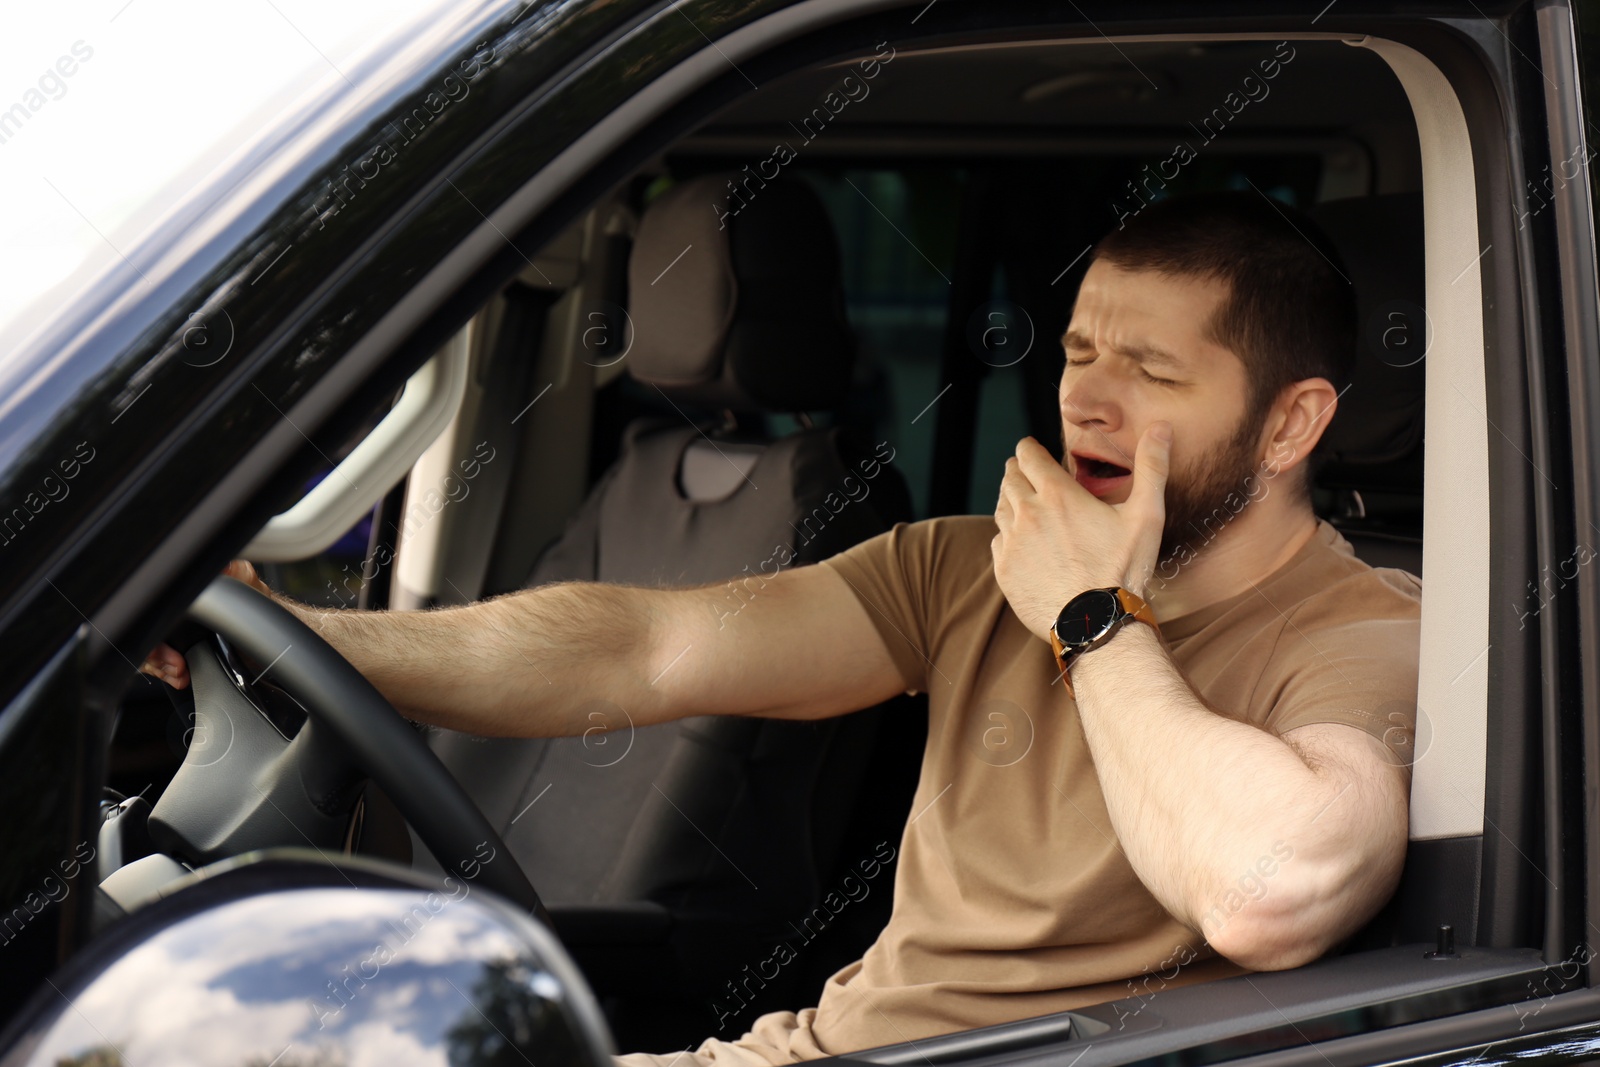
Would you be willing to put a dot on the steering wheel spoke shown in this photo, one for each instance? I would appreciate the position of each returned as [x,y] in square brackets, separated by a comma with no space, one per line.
[243,785]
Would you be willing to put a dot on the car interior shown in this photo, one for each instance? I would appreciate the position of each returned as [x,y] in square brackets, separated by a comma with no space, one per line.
[886,296]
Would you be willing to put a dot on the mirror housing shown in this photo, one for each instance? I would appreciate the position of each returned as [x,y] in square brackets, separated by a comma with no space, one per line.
[292,958]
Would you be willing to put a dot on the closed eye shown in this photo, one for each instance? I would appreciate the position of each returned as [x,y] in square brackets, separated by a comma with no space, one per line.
[1151,378]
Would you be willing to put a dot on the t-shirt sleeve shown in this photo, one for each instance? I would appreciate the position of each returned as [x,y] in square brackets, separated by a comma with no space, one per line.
[1351,657]
[889,574]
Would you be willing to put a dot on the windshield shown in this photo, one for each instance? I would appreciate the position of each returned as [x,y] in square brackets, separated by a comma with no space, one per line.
[111,112]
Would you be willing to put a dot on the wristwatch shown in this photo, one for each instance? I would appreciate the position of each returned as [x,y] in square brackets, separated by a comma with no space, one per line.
[1089,620]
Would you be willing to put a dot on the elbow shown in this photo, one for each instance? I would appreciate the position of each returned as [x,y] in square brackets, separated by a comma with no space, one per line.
[1304,907]
[1289,926]
[1267,945]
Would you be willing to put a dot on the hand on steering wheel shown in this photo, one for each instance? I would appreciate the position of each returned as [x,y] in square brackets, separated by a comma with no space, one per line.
[219,804]
[166,663]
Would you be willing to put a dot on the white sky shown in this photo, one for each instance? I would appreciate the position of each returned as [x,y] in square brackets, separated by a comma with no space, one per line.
[166,90]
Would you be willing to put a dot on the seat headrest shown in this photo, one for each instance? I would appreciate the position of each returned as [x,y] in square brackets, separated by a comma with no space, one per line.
[736,296]
[1379,421]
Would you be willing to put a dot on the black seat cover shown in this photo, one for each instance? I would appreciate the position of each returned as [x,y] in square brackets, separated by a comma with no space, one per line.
[733,824]
[1374,442]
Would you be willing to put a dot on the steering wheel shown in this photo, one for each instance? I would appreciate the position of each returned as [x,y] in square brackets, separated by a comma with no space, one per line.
[245,776]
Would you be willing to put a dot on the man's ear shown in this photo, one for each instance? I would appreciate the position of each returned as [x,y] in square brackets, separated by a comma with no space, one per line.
[1299,418]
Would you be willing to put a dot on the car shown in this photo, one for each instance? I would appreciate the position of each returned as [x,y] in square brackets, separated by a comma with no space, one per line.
[403,346]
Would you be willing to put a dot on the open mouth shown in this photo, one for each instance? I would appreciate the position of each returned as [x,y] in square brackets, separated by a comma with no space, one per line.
[1101,477]
[1099,468]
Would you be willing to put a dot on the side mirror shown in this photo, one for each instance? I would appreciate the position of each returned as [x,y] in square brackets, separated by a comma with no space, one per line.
[290,958]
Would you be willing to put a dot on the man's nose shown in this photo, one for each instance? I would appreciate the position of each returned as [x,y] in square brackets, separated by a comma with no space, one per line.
[1088,397]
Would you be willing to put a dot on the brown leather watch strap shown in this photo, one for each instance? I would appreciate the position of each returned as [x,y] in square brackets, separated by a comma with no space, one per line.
[1133,604]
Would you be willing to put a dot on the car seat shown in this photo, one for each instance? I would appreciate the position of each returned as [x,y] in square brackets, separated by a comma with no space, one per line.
[1373,469]
[675,856]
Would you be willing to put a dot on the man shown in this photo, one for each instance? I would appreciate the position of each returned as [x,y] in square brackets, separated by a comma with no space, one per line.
[1169,710]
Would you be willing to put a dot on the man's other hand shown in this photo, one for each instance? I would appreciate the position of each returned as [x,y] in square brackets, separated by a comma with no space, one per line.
[1057,539]
[167,663]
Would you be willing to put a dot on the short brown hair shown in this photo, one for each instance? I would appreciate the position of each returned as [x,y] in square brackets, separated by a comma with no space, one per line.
[1290,313]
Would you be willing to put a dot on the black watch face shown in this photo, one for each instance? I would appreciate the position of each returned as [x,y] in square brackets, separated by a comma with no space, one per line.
[1087,617]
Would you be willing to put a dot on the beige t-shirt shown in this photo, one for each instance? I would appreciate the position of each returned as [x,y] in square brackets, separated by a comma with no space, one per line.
[1012,897]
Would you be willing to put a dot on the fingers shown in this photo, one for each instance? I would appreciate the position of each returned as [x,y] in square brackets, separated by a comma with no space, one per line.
[1018,486]
[1034,463]
[167,664]
[246,573]
[1151,465]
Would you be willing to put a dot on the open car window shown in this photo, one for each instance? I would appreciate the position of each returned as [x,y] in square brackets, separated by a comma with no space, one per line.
[964,190]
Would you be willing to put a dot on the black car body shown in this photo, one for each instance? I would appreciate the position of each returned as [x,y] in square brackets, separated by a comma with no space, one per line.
[355,238]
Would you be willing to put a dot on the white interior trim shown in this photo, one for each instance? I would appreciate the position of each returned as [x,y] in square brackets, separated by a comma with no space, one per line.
[1447,786]
[426,405]
[441,474]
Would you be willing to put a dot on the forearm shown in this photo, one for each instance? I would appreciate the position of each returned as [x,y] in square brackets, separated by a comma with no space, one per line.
[548,662]
[1197,799]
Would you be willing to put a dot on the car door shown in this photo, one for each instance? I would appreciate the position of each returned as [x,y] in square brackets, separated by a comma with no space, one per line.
[571,98]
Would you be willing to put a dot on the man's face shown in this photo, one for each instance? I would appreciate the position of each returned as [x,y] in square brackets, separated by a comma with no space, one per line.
[1136,355]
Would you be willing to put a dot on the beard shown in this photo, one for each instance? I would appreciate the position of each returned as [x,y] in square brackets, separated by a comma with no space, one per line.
[1198,500]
